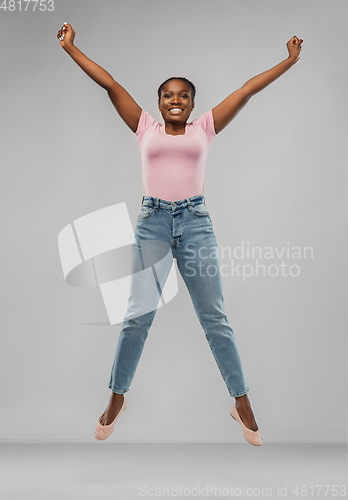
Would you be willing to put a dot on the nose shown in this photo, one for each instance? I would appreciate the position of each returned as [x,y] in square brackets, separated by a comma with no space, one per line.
[176,100]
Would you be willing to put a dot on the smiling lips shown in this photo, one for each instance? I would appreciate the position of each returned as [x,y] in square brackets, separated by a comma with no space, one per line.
[176,111]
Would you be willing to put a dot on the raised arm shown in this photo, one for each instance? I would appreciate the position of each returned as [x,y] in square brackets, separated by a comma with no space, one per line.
[124,103]
[224,113]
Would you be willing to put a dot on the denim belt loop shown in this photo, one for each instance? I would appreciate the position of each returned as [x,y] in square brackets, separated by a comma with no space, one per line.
[189,205]
[157,201]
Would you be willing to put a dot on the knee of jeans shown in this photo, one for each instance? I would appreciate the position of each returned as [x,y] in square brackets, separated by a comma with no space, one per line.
[139,320]
[210,322]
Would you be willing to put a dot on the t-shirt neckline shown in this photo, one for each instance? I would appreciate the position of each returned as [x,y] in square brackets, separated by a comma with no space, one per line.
[174,135]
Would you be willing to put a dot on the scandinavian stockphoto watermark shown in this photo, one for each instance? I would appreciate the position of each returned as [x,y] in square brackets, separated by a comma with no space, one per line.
[137,276]
[246,261]
[231,491]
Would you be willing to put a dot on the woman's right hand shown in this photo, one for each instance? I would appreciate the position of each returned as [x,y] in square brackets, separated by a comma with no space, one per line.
[66,35]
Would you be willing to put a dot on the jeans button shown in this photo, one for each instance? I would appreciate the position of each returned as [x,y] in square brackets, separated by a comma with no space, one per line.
[174,204]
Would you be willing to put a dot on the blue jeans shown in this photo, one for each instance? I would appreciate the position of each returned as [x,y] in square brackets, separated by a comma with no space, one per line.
[185,228]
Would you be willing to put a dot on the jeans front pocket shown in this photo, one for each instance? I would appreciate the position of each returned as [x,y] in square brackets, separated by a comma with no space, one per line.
[145,211]
[201,210]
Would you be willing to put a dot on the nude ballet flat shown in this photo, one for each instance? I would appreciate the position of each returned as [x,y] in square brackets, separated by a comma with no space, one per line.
[103,431]
[253,437]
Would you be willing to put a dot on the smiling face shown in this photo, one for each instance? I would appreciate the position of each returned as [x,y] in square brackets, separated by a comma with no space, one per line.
[176,102]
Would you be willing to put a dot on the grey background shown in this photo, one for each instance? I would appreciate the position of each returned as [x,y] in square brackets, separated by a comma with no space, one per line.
[276,174]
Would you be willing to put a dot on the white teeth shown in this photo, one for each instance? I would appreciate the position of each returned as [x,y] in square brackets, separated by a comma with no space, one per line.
[175,109]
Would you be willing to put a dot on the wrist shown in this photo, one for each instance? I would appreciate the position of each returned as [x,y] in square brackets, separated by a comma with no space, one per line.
[292,59]
[68,46]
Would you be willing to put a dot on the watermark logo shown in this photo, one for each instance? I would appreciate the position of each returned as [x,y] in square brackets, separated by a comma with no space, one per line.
[90,249]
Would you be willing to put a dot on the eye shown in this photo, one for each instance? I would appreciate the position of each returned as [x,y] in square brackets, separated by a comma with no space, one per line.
[168,96]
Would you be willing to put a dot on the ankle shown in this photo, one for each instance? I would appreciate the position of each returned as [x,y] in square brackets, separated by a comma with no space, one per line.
[117,397]
[242,400]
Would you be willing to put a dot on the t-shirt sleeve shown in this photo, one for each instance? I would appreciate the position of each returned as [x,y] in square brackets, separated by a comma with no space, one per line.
[145,121]
[206,121]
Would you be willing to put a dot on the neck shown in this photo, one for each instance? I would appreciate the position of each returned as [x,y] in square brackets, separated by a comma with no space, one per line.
[175,129]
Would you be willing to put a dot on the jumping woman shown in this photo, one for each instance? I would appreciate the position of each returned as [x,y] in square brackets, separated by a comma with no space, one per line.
[173,211]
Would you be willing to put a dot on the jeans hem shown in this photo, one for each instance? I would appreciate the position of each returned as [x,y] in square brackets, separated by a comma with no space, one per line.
[116,391]
[240,393]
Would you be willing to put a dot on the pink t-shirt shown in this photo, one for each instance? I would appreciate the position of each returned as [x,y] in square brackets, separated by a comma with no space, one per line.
[173,166]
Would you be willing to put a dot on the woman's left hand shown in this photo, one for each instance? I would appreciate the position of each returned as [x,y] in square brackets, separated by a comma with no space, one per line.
[294,47]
